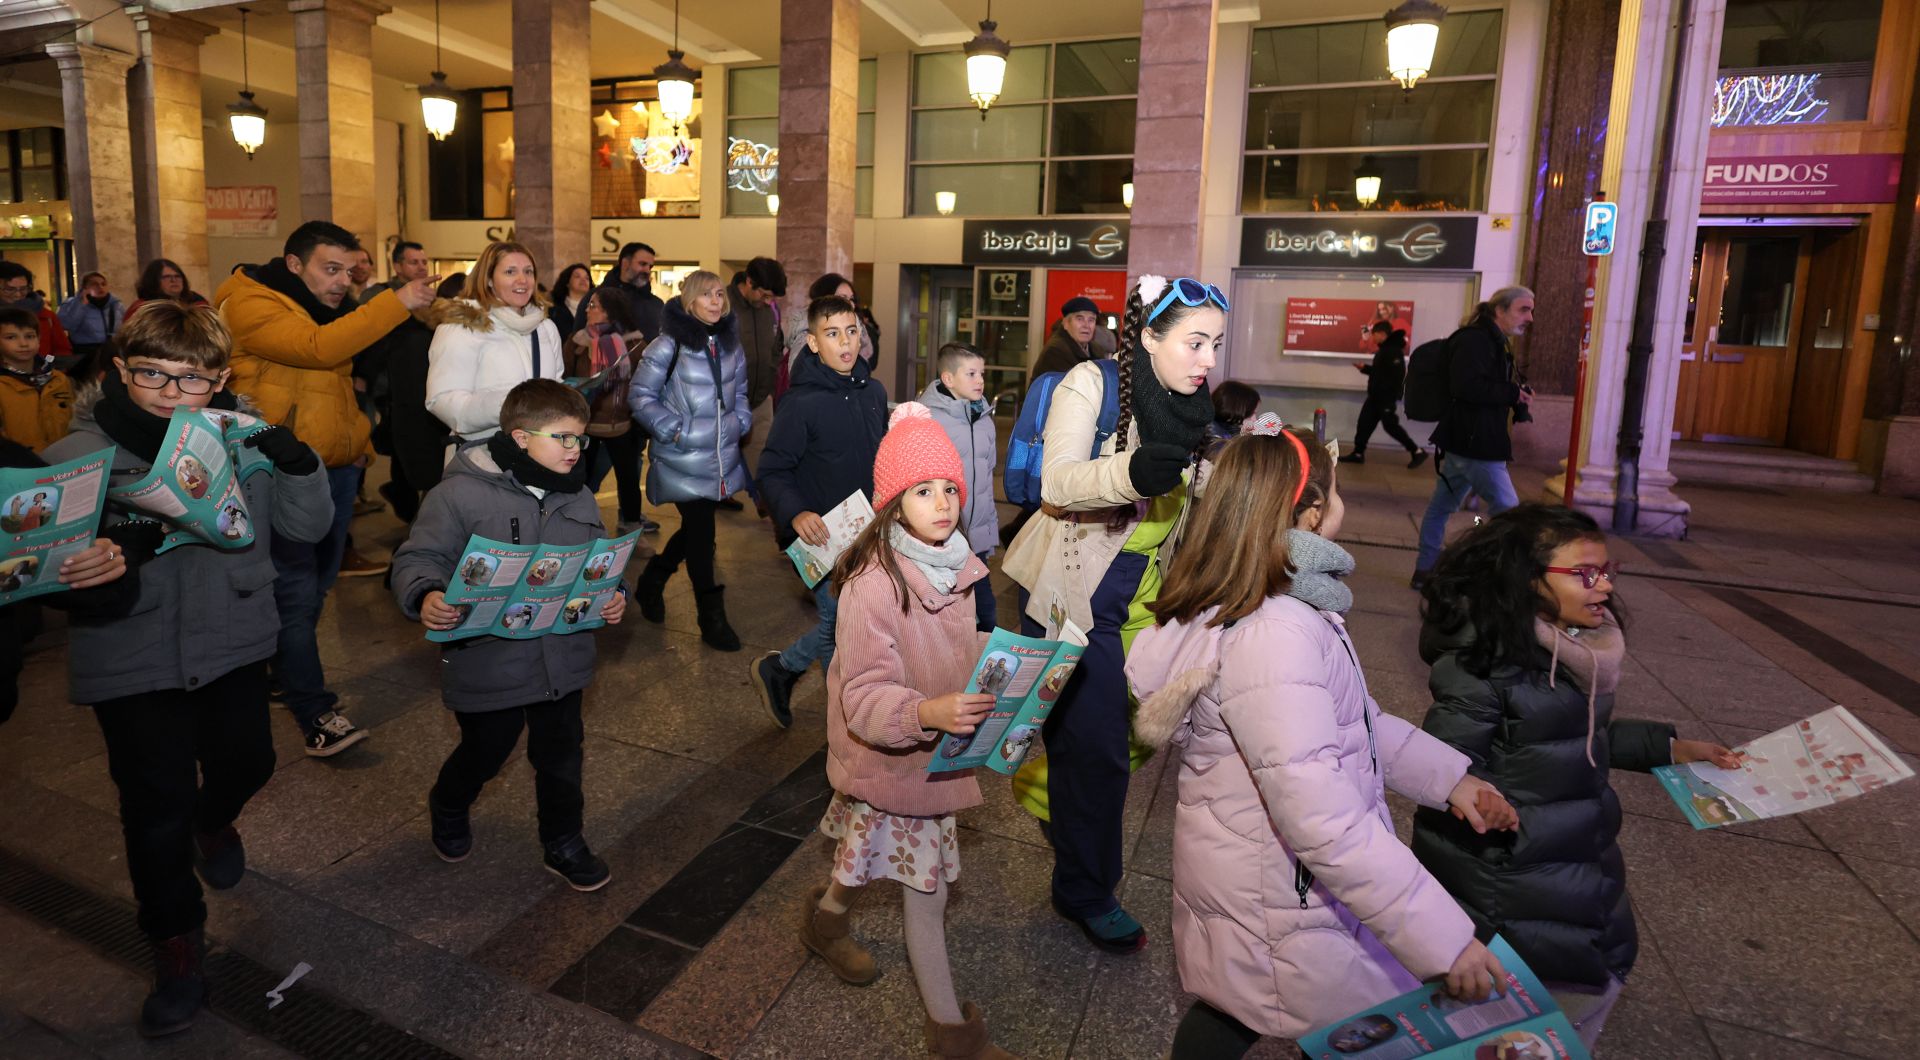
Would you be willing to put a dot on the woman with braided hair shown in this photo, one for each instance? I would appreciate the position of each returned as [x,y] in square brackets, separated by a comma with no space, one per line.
[1114,498]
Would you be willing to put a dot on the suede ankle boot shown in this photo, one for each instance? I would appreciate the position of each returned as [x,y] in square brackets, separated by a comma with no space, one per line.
[712,612]
[963,1041]
[179,984]
[827,935]
[650,590]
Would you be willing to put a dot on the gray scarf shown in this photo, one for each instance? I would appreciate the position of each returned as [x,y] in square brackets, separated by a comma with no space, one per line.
[1318,565]
[941,564]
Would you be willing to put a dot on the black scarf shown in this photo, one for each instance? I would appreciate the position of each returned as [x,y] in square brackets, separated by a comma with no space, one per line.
[527,471]
[276,275]
[135,430]
[1165,417]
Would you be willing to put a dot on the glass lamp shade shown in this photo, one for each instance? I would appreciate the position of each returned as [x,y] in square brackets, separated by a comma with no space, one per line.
[944,201]
[986,67]
[248,120]
[1366,182]
[1126,194]
[773,205]
[674,81]
[1413,29]
[439,110]
[649,207]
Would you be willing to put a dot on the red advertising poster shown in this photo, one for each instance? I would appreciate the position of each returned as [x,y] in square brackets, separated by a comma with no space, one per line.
[1337,327]
[1107,288]
[243,210]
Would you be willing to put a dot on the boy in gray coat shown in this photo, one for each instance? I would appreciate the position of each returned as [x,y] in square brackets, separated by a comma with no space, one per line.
[959,403]
[181,678]
[525,485]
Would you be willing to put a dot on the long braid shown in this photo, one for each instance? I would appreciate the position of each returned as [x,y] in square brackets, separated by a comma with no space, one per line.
[1130,329]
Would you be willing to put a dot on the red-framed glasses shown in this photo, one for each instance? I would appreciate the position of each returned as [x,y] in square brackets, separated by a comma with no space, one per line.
[1589,574]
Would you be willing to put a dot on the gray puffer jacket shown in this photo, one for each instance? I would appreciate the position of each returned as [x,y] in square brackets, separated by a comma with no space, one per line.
[203,611]
[476,497]
[690,393]
[969,426]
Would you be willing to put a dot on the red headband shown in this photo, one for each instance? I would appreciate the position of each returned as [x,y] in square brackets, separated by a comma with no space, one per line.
[1306,468]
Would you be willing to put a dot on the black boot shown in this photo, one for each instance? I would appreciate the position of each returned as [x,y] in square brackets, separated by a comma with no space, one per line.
[179,984]
[650,589]
[713,619]
[452,831]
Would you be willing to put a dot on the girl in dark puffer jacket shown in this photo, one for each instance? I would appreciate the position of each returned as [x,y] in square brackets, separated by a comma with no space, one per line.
[1526,645]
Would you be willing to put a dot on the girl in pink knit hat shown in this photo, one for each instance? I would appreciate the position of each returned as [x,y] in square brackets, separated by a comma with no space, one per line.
[906,649]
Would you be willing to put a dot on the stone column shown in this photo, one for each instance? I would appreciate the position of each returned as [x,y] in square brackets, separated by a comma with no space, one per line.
[169,153]
[819,104]
[1170,136]
[1893,390]
[552,132]
[93,90]
[1643,63]
[333,65]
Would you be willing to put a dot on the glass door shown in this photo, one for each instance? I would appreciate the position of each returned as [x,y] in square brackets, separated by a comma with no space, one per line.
[1738,363]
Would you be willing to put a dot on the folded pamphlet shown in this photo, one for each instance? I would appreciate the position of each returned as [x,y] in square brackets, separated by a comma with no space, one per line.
[194,487]
[1520,1023]
[1814,762]
[1025,675]
[525,591]
[844,523]
[47,514]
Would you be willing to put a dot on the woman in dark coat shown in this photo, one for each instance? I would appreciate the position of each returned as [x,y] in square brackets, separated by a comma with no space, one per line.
[419,438]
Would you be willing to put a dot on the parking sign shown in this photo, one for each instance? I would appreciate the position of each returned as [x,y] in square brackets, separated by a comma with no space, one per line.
[1598,240]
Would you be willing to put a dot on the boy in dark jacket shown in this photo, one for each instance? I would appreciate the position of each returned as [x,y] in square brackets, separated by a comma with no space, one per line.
[182,677]
[821,448]
[1386,377]
[525,486]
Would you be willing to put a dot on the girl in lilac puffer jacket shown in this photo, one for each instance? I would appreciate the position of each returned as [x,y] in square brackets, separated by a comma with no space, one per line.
[1294,904]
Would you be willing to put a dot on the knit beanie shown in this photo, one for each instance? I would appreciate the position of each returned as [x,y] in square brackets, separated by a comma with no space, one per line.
[915,450]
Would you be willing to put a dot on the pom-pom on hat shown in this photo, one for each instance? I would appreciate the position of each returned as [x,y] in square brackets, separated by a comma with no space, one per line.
[915,450]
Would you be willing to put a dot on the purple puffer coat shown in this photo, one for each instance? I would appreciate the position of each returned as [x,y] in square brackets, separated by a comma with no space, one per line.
[1294,903]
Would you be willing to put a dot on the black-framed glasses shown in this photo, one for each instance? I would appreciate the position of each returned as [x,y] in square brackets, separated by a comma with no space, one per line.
[1190,292]
[1589,574]
[567,441]
[155,379]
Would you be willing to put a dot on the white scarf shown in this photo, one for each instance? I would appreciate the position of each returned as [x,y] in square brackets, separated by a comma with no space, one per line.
[941,564]
[519,321]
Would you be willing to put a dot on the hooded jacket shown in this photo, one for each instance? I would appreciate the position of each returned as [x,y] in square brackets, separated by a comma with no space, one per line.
[1481,394]
[969,426]
[760,341]
[35,415]
[477,355]
[820,449]
[1556,889]
[1387,375]
[299,371]
[1293,901]
[88,324]
[476,497]
[203,611]
[690,392]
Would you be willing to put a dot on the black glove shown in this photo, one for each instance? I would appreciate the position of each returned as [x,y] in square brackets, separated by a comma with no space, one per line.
[289,454]
[137,539]
[1155,468]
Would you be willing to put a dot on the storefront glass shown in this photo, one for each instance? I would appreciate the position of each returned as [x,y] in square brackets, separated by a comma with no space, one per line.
[33,165]
[753,140]
[1796,62]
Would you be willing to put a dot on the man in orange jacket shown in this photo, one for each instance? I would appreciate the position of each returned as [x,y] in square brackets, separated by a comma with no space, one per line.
[295,334]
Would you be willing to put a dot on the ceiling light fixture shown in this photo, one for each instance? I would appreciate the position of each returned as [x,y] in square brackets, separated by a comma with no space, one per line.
[944,201]
[1366,182]
[1413,29]
[673,80]
[986,64]
[438,107]
[247,119]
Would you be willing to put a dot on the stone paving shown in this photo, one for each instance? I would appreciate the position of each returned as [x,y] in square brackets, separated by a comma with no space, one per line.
[1794,938]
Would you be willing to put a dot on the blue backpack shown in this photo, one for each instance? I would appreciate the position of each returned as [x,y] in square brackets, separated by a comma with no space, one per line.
[1026,450]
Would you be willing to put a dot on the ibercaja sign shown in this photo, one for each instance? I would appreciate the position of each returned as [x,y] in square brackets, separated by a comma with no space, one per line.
[1037,242]
[1373,241]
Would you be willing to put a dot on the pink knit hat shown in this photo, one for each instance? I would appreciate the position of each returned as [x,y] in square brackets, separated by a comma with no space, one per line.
[915,450]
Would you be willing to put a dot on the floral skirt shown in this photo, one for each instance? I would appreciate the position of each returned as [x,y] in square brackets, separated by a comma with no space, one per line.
[876,845]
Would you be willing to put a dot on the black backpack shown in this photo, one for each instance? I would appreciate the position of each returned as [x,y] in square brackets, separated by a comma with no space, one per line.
[1427,395]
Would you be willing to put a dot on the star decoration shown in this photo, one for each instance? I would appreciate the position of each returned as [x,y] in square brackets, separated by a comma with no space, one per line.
[605,154]
[607,124]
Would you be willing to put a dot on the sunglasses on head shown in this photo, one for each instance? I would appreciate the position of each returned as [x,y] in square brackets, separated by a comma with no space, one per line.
[1190,292]
[1589,574]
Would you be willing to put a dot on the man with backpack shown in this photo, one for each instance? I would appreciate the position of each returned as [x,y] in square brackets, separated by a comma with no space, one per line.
[1386,376]
[1483,392]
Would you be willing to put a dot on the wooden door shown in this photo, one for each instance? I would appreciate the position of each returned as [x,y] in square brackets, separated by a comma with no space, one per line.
[1751,297]
[1819,377]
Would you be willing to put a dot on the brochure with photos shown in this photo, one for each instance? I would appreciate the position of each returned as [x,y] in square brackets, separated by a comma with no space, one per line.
[525,591]
[194,487]
[844,523]
[47,514]
[1025,675]
[1815,762]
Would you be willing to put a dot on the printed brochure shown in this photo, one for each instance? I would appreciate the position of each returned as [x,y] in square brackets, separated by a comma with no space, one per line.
[194,487]
[46,515]
[1814,762]
[525,591]
[1025,676]
[1521,1023]
[844,523]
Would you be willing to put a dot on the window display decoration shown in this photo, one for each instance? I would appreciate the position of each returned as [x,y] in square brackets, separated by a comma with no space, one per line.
[1768,99]
[752,166]
[661,154]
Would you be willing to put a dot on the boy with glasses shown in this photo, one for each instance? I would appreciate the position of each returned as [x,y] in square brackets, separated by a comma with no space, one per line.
[523,485]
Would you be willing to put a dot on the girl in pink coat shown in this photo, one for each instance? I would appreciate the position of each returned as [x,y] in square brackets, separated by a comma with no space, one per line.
[1293,902]
[906,645]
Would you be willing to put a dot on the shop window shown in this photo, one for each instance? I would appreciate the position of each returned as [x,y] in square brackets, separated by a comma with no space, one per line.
[1320,106]
[1795,62]
[639,155]
[753,139]
[35,165]
[470,173]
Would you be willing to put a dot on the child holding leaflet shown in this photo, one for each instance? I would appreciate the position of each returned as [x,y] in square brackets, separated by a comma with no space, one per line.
[1293,901]
[958,400]
[907,648]
[523,485]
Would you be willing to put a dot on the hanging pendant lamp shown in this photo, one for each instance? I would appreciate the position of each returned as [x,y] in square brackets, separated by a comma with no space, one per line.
[247,119]
[439,110]
[673,80]
[1413,29]
[986,64]
[1366,182]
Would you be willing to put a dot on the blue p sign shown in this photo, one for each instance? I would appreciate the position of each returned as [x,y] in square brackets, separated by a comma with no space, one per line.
[1598,239]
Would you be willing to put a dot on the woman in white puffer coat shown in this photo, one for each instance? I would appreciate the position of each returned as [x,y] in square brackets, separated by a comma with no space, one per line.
[492,338]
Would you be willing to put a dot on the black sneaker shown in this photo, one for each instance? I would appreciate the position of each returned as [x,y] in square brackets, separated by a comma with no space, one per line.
[332,734]
[179,985]
[570,860]
[1419,457]
[219,858]
[452,832]
[775,684]
[1354,458]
